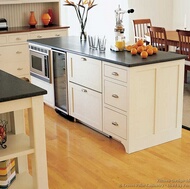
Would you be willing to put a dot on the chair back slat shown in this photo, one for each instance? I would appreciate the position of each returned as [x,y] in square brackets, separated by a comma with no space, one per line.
[141,28]
[184,43]
[158,38]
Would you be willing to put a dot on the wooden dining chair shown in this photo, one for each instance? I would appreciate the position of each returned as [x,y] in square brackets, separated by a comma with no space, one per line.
[141,28]
[184,48]
[158,38]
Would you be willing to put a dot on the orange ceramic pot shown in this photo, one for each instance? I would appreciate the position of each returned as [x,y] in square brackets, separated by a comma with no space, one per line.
[32,21]
[46,19]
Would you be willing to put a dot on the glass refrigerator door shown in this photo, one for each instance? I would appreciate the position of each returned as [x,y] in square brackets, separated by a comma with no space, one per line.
[60,80]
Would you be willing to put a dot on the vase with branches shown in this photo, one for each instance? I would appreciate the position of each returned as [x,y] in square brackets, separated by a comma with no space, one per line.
[81,8]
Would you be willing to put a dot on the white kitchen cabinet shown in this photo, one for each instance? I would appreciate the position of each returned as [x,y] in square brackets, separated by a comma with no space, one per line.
[85,105]
[115,95]
[49,98]
[115,123]
[15,55]
[85,71]
[48,33]
[15,59]
[115,101]
[20,145]
[85,89]
[152,97]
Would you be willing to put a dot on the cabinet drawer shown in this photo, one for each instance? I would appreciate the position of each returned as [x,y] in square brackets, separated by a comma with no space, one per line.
[85,71]
[2,54]
[115,95]
[115,123]
[16,68]
[85,105]
[17,38]
[16,53]
[57,33]
[3,39]
[115,73]
[38,35]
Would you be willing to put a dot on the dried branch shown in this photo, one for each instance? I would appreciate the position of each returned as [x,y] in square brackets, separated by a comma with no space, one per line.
[81,9]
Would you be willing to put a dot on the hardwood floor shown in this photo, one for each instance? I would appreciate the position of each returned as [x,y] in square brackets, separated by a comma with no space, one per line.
[81,158]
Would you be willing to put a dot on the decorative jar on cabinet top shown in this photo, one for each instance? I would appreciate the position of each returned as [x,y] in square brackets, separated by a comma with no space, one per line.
[32,21]
[46,19]
[50,12]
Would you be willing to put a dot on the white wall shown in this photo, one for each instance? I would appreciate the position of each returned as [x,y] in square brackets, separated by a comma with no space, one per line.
[101,19]
[160,12]
[181,10]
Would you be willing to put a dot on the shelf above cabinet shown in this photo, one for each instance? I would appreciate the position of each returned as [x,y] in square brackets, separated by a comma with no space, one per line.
[17,145]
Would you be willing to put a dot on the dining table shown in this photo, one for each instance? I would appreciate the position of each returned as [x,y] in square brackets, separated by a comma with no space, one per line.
[172,38]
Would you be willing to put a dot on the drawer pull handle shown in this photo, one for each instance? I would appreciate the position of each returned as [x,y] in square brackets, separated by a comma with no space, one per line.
[115,73]
[84,90]
[115,96]
[84,59]
[18,52]
[115,123]
[18,38]
[57,35]
[19,69]
[39,36]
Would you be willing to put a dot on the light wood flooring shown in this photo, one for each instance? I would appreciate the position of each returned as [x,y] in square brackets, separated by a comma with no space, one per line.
[81,158]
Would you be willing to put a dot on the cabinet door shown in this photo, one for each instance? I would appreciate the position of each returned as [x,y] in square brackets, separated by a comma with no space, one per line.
[115,72]
[3,39]
[17,38]
[115,95]
[85,71]
[15,59]
[49,97]
[38,35]
[85,105]
[48,33]
[115,123]
[57,33]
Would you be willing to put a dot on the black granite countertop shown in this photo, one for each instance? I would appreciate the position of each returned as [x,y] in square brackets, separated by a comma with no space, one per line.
[13,88]
[73,44]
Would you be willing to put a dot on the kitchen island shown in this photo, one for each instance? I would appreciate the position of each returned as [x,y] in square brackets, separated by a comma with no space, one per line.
[136,101]
[17,96]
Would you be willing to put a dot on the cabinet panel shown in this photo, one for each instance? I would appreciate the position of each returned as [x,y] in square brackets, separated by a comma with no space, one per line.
[115,73]
[15,53]
[15,59]
[115,123]
[57,33]
[115,95]
[2,54]
[17,38]
[49,97]
[3,39]
[85,71]
[86,105]
[17,68]
[38,35]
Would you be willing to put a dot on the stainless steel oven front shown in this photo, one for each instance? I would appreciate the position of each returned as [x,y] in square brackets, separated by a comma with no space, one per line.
[40,65]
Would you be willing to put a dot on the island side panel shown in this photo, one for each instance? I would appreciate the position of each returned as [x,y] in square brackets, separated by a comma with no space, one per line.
[155,101]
